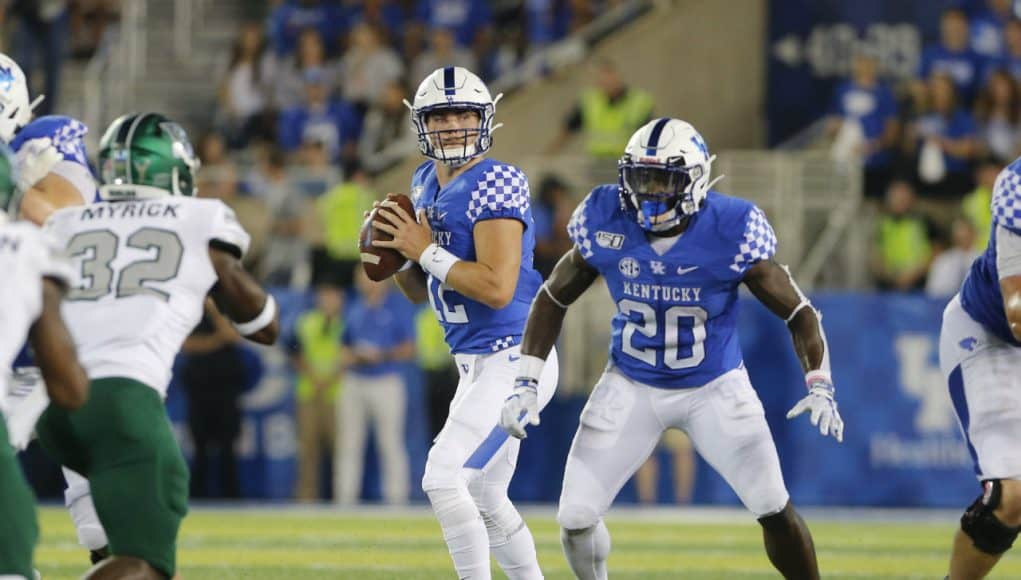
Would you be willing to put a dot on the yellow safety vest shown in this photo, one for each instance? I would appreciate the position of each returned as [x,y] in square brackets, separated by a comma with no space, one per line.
[320,345]
[433,352]
[975,207]
[340,210]
[609,125]
[903,243]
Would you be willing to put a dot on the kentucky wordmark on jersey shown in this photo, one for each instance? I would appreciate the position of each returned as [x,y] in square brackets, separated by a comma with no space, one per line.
[675,325]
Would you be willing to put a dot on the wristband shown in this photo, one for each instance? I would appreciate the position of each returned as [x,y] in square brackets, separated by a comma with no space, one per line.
[817,376]
[437,262]
[530,367]
[269,312]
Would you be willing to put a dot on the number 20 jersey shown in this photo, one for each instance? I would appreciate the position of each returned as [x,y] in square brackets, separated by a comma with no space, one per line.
[488,190]
[675,325]
[142,273]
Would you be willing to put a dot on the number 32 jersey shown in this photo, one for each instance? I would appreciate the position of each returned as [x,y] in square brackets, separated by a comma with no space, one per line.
[675,325]
[142,273]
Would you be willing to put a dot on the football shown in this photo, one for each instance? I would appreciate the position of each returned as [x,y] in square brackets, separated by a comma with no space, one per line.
[381,263]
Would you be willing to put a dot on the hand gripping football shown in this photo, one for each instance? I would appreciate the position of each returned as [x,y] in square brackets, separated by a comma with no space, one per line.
[381,263]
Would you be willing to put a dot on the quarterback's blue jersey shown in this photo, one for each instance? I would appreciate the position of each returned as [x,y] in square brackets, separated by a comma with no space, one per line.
[676,318]
[980,293]
[488,190]
[68,136]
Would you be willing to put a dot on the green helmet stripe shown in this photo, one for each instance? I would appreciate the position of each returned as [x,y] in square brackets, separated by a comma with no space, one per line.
[127,142]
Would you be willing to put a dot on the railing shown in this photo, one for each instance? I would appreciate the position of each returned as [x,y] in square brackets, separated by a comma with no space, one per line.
[110,75]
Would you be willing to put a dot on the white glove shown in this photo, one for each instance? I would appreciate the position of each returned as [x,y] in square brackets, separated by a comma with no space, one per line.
[824,409]
[35,159]
[523,404]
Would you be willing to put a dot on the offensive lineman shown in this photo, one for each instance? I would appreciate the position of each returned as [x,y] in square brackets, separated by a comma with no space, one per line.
[146,257]
[673,254]
[475,239]
[980,356]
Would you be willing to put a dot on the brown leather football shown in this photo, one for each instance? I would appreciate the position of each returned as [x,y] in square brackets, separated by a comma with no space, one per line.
[381,263]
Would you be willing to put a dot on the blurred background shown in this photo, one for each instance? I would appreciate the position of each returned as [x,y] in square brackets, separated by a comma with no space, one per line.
[869,131]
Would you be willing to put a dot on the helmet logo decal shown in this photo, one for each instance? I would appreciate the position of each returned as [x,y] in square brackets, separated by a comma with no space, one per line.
[141,168]
[6,78]
[700,143]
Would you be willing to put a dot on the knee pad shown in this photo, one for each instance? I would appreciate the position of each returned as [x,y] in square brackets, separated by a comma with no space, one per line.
[979,523]
[576,517]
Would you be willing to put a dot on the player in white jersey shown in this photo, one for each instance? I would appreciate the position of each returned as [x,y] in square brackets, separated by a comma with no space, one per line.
[53,172]
[980,356]
[36,276]
[146,257]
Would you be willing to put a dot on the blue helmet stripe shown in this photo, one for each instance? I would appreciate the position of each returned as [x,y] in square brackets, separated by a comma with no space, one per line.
[448,81]
[657,130]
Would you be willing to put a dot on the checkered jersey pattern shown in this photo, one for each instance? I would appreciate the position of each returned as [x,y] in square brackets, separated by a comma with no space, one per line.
[1006,204]
[577,229]
[759,241]
[501,192]
[502,343]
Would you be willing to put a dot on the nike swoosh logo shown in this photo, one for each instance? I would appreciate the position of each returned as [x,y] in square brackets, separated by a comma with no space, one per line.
[682,271]
[513,358]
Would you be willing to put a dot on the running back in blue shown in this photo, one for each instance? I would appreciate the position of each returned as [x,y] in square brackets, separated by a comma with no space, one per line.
[68,136]
[675,325]
[980,293]
[488,190]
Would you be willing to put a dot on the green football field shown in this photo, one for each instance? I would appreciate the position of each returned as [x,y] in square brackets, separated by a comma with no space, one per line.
[263,543]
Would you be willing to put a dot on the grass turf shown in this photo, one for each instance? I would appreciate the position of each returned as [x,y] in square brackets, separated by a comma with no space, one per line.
[323,543]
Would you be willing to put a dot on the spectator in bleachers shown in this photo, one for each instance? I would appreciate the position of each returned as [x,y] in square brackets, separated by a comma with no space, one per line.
[443,51]
[945,141]
[40,30]
[998,112]
[546,21]
[286,249]
[368,66]
[219,179]
[607,114]
[378,336]
[387,135]
[312,172]
[336,257]
[386,16]
[291,17]
[1011,60]
[867,108]
[951,266]
[976,205]
[471,20]
[953,56]
[292,72]
[551,210]
[316,355]
[88,20]
[332,122]
[245,88]
[213,375]
[901,251]
[987,28]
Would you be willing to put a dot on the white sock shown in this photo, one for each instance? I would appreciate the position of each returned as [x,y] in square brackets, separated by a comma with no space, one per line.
[78,498]
[512,544]
[586,551]
[464,532]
